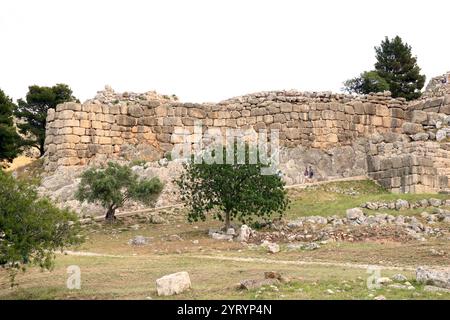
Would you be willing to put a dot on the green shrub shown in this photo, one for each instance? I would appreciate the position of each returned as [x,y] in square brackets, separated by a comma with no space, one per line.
[31,228]
[114,185]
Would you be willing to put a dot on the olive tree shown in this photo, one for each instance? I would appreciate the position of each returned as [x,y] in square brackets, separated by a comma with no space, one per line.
[229,191]
[113,185]
[31,228]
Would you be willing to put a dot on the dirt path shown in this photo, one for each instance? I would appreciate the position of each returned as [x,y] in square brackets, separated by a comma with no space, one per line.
[255,260]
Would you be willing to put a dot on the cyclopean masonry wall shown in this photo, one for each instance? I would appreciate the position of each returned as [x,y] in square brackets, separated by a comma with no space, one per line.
[340,135]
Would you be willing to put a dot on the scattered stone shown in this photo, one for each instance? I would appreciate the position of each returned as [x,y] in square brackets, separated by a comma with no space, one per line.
[383,280]
[436,277]
[295,224]
[231,232]
[255,284]
[421,136]
[401,287]
[156,219]
[244,233]
[174,283]
[174,237]
[437,253]
[401,204]
[273,248]
[399,278]
[310,246]
[221,236]
[435,202]
[441,135]
[428,288]
[354,213]
[380,297]
[139,241]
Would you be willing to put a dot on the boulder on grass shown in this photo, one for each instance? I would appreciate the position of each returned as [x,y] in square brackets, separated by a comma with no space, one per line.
[435,277]
[174,283]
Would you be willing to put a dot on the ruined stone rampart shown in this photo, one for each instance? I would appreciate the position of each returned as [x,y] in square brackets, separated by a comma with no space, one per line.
[402,145]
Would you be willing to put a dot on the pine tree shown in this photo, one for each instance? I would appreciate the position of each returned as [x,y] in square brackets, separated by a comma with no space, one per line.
[396,64]
[9,138]
[33,111]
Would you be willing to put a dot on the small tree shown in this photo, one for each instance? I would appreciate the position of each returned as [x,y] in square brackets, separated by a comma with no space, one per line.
[366,83]
[115,184]
[31,229]
[231,191]
[396,64]
[33,111]
[10,140]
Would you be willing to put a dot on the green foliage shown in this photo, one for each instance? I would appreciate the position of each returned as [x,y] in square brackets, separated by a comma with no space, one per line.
[396,70]
[31,229]
[367,82]
[396,64]
[231,191]
[138,162]
[115,184]
[33,111]
[10,140]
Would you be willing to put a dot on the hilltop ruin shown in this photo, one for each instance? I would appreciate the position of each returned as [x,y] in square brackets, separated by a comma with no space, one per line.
[402,145]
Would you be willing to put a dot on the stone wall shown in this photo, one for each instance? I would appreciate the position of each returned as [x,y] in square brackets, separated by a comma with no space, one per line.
[144,127]
[402,145]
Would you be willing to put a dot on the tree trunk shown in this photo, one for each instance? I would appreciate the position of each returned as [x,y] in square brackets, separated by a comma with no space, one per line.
[227,221]
[110,217]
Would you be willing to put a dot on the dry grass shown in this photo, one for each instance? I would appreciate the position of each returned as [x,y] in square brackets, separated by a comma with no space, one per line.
[216,267]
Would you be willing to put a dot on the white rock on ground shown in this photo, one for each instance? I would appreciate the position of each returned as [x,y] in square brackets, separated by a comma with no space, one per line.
[399,278]
[436,277]
[174,283]
[273,248]
[221,236]
[244,233]
[354,213]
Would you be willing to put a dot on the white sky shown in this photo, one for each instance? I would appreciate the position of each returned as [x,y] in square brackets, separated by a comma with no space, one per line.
[205,50]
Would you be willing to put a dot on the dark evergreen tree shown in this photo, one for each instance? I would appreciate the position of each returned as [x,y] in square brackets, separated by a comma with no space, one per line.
[33,111]
[9,138]
[396,64]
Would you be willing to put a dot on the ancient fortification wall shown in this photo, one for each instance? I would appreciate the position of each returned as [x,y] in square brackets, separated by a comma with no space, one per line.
[402,145]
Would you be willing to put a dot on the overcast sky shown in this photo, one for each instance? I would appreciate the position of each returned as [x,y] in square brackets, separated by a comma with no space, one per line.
[204,50]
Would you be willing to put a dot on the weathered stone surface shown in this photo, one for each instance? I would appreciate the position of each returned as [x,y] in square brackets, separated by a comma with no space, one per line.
[412,128]
[436,277]
[323,129]
[174,283]
[244,233]
[257,283]
[354,213]
[139,241]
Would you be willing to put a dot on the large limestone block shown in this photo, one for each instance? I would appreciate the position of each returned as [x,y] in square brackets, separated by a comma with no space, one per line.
[436,277]
[197,113]
[412,128]
[174,283]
